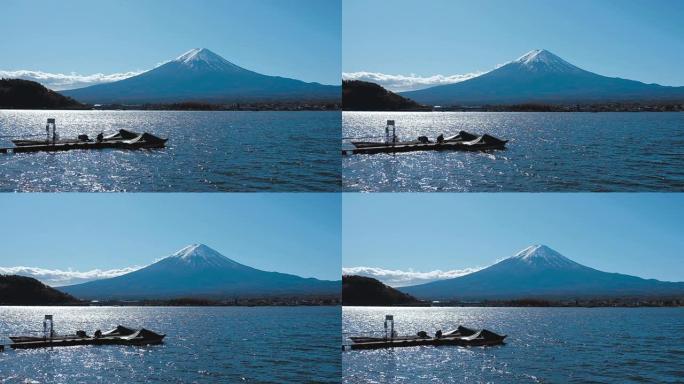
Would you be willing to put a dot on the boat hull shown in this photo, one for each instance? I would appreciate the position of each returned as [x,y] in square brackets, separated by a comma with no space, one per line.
[59,147]
[449,146]
[430,341]
[70,342]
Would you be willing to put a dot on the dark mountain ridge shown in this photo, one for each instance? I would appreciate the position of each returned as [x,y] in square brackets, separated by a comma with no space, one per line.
[361,290]
[26,94]
[366,96]
[22,290]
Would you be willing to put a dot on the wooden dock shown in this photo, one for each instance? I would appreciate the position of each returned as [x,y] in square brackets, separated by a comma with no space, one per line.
[455,146]
[429,341]
[58,147]
[71,341]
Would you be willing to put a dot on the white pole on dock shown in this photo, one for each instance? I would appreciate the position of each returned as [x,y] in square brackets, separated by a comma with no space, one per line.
[389,319]
[48,328]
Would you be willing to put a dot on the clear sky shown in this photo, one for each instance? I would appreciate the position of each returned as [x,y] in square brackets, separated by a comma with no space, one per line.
[292,233]
[636,39]
[293,38]
[638,234]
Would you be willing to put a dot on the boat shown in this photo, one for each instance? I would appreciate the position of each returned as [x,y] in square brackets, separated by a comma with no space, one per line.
[122,139]
[462,136]
[462,337]
[123,136]
[463,141]
[481,338]
[120,335]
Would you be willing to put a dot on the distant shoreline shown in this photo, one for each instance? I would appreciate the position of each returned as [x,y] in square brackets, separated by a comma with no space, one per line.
[211,108]
[588,108]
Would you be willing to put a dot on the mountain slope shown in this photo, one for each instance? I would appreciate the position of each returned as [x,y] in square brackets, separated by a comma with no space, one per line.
[201,75]
[22,290]
[361,290]
[25,94]
[542,77]
[540,272]
[365,96]
[199,271]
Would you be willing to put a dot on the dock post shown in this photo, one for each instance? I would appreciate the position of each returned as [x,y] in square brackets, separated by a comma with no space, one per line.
[48,328]
[387,132]
[389,319]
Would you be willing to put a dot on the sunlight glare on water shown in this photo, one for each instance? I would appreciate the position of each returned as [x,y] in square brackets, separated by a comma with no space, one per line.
[544,345]
[206,152]
[203,345]
[546,152]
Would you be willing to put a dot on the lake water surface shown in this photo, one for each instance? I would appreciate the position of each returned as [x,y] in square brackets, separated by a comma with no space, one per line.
[206,152]
[547,152]
[203,345]
[544,345]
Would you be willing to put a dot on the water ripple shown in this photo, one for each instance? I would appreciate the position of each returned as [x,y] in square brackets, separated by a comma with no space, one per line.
[546,152]
[206,152]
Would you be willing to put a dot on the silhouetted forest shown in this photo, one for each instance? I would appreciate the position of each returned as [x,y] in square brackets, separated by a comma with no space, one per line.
[361,290]
[21,290]
[365,96]
[25,94]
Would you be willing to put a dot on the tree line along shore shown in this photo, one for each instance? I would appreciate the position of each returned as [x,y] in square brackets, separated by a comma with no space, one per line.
[367,291]
[22,290]
[25,94]
[366,96]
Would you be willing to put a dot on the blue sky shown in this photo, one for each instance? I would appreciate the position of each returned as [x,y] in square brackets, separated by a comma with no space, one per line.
[293,233]
[637,234]
[294,38]
[637,39]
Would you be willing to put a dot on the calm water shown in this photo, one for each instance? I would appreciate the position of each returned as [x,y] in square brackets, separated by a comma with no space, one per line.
[203,345]
[207,151]
[544,345]
[546,152]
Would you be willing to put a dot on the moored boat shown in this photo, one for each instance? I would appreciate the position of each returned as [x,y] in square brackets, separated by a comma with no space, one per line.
[462,336]
[463,141]
[118,336]
[122,139]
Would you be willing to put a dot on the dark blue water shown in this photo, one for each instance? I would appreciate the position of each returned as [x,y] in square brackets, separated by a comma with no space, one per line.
[203,345]
[207,151]
[547,152]
[544,345]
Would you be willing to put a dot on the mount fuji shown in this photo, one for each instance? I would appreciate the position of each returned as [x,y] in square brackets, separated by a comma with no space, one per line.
[540,272]
[199,271]
[201,75]
[540,76]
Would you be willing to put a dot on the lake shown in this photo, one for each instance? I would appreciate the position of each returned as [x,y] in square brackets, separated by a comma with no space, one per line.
[203,345]
[206,152]
[547,152]
[544,345]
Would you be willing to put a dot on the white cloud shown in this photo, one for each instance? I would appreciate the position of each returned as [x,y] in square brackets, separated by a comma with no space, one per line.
[398,278]
[401,83]
[58,277]
[60,81]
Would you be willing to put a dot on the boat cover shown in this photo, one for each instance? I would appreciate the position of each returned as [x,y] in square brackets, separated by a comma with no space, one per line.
[120,330]
[484,334]
[143,333]
[462,331]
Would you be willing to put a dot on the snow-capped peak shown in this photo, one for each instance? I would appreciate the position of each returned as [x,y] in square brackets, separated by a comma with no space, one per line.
[197,57]
[541,59]
[541,254]
[198,252]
